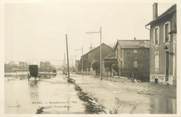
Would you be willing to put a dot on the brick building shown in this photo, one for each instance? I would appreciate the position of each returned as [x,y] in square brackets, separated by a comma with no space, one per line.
[93,56]
[109,62]
[133,58]
[163,45]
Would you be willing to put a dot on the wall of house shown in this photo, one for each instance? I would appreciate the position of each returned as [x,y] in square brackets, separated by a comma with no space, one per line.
[119,56]
[160,74]
[160,51]
[173,47]
[94,56]
[126,58]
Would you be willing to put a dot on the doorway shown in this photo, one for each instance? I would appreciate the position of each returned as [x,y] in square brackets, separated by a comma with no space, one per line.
[167,66]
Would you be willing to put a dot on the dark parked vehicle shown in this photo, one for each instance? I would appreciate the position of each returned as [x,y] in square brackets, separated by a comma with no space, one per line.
[33,70]
[54,72]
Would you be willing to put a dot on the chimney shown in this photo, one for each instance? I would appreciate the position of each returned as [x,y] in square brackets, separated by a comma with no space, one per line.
[155,10]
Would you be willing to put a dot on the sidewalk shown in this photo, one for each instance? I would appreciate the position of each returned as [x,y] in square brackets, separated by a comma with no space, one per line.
[124,96]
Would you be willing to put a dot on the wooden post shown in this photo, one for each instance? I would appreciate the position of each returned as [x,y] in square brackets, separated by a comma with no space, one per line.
[82,62]
[67,56]
[100,52]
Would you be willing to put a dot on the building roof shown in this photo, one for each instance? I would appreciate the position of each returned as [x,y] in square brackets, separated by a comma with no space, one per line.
[164,15]
[103,44]
[133,44]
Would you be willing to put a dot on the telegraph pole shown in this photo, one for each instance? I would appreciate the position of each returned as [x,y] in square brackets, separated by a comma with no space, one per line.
[68,101]
[100,31]
[100,36]
[67,56]
[82,61]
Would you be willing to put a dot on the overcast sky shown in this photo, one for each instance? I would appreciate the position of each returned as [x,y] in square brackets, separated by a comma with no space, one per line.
[36,31]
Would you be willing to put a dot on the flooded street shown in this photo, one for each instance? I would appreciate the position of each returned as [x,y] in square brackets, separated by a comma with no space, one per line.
[123,96]
[161,104]
[90,57]
[53,96]
[56,96]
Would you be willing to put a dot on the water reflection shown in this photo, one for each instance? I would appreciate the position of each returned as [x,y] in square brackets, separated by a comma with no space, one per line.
[26,96]
[163,105]
[33,88]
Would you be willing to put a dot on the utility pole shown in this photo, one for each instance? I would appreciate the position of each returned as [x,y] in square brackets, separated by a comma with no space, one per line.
[82,61]
[100,52]
[67,56]
[100,36]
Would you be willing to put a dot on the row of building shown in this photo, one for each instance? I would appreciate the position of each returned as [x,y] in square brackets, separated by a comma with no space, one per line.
[146,60]
[24,67]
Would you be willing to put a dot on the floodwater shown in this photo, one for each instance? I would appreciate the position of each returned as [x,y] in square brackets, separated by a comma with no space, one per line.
[54,95]
[163,105]
[123,96]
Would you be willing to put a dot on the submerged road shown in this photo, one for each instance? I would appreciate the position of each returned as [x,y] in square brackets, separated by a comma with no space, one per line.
[47,96]
[56,96]
[120,95]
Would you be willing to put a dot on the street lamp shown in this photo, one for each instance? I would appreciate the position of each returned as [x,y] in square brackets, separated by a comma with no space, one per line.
[100,36]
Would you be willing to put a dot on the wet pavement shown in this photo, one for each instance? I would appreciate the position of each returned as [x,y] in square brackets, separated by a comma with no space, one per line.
[47,96]
[124,96]
[56,96]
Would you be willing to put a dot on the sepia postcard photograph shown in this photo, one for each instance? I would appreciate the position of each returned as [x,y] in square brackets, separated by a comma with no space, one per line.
[90,57]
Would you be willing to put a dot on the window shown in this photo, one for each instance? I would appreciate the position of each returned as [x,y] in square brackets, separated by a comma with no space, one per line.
[166,31]
[156,62]
[120,51]
[135,64]
[156,35]
[135,51]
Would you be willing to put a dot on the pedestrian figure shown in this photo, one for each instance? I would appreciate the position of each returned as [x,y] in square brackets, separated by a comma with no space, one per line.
[132,77]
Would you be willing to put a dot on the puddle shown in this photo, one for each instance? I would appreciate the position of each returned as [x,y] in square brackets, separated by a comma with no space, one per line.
[163,105]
